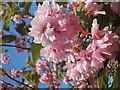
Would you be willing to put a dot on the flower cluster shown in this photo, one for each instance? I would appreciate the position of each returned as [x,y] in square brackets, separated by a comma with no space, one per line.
[46,77]
[51,26]
[60,33]
[41,65]
[16,73]
[103,46]
[93,8]
[5,58]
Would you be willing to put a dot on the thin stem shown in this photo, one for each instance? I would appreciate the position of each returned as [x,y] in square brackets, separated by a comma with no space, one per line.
[15,79]
[15,46]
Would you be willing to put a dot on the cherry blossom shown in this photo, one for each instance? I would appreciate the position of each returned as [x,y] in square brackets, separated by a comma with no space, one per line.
[41,65]
[5,58]
[16,18]
[16,73]
[93,8]
[93,57]
[51,23]
[46,77]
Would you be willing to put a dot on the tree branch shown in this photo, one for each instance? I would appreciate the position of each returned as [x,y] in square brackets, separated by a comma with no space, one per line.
[7,83]
[15,79]
[15,46]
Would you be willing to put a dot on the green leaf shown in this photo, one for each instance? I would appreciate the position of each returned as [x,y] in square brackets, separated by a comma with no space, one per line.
[8,38]
[29,62]
[6,23]
[21,4]
[21,29]
[101,82]
[26,73]
[26,8]
[31,79]
[35,49]
[8,18]
[61,75]
[2,5]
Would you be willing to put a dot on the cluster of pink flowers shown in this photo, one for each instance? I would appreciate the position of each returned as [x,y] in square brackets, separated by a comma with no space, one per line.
[93,8]
[5,58]
[56,84]
[41,65]
[103,46]
[51,27]
[46,77]
[16,73]
[17,18]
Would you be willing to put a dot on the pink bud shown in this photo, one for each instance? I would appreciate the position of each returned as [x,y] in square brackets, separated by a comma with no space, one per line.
[25,16]
[2,12]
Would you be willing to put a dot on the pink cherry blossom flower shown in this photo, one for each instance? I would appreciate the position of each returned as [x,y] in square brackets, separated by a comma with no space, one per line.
[16,18]
[41,65]
[5,58]
[103,38]
[25,16]
[56,83]
[70,57]
[46,77]
[55,53]
[15,73]
[66,79]
[53,25]
[93,8]
[103,46]
[2,12]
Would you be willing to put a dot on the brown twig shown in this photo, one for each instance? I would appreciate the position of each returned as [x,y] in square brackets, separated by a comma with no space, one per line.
[16,46]
[15,79]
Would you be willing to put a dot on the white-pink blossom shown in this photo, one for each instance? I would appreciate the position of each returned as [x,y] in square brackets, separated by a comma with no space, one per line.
[41,65]
[55,53]
[5,58]
[45,78]
[16,18]
[52,24]
[66,79]
[94,8]
[15,73]
[103,46]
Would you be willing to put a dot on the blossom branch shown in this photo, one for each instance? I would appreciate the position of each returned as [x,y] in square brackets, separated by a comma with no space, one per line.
[15,46]
[15,79]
